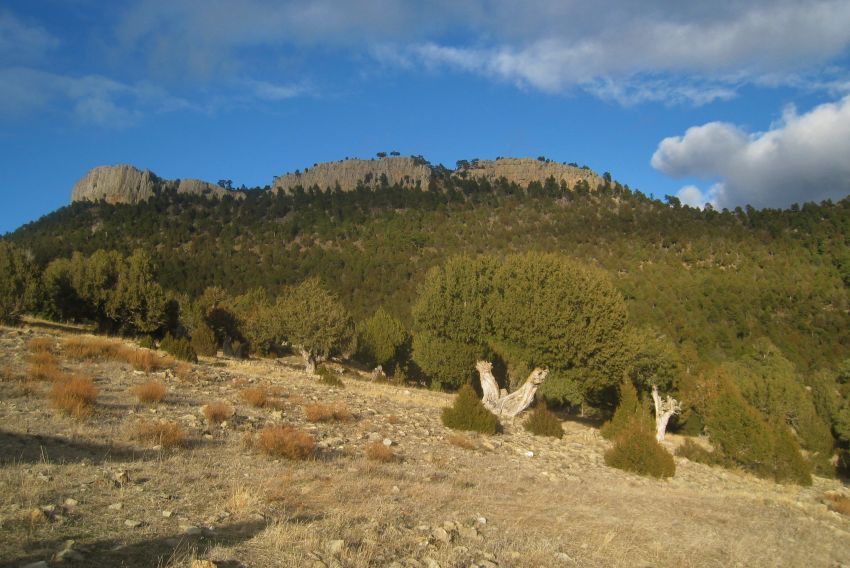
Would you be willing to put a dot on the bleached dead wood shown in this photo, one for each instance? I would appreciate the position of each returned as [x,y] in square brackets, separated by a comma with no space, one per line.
[499,402]
[664,410]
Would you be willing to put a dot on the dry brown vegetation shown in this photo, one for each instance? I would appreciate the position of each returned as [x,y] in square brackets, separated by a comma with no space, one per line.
[838,503]
[44,367]
[150,392]
[100,349]
[40,345]
[166,434]
[337,411]
[462,441]
[74,396]
[393,419]
[217,412]
[256,396]
[377,451]
[287,442]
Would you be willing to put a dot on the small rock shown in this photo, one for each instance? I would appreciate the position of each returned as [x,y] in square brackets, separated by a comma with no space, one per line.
[203,564]
[71,502]
[167,514]
[335,547]
[132,523]
[193,531]
[116,506]
[48,508]
[430,562]
[395,489]
[468,532]
[481,520]
[388,442]
[441,535]
[529,454]
[563,557]
[450,526]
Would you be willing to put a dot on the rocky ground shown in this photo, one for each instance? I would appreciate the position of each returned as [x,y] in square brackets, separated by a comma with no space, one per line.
[89,493]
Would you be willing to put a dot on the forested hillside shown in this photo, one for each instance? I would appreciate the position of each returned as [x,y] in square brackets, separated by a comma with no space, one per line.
[711,281]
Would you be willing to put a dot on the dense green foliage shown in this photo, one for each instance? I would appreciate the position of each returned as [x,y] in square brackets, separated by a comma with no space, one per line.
[203,341]
[468,413]
[18,283]
[530,309]
[179,348]
[381,340]
[542,422]
[628,407]
[635,449]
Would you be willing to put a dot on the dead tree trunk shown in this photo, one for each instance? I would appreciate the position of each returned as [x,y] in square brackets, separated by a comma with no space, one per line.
[499,402]
[664,410]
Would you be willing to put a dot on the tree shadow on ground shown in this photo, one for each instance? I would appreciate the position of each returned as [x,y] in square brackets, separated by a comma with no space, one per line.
[161,551]
[16,448]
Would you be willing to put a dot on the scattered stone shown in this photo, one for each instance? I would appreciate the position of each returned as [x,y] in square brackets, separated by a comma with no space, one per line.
[335,547]
[529,454]
[430,562]
[441,535]
[132,523]
[468,532]
[193,531]
[71,502]
[388,442]
[396,489]
[167,514]
[116,506]
[563,557]
[48,508]
[481,520]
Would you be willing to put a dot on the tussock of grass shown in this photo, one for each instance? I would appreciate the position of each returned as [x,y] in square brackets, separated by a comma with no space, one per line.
[462,441]
[90,348]
[217,412]
[336,412]
[44,367]
[164,434]
[837,502]
[74,396]
[377,451]
[40,345]
[150,392]
[286,441]
[256,396]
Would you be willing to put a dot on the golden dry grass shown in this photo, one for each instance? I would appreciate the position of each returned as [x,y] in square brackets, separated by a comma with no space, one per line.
[74,396]
[255,396]
[165,434]
[336,412]
[40,345]
[43,366]
[150,392]
[377,451]
[142,359]
[838,503]
[90,348]
[287,442]
[217,412]
[462,441]
[393,419]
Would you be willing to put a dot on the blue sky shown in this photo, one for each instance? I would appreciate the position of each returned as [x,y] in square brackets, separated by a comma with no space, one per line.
[723,102]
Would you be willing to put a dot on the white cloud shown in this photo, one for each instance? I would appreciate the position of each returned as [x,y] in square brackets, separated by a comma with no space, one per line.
[803,157]
[91,99]
[266,91]
[20,42]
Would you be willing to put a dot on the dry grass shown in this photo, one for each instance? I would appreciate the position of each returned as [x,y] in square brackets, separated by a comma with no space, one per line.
[43,366]
[838,503]
[393,419]
[183,371]
[74,396]
[143,359]
[286,441]
[90,348]
[151,392]
[40,345]
[241,501]
[21,386]
[377,451]
[462,441]
[217,412]
[165,434]
[336,412]
[256,396]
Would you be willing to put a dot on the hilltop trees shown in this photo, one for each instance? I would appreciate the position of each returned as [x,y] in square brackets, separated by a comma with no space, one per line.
[19,282]
[528,310]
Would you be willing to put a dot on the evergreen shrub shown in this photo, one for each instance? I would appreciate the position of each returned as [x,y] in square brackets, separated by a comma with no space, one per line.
[636,449]
[542,422]
[469,413]
[179,348]
[203,341]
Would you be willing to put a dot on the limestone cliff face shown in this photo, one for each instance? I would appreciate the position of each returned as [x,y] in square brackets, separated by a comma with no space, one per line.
[401,170]
[125,184]
[523,171]
[116,184]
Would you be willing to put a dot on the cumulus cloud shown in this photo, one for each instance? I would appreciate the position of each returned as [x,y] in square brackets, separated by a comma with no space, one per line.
[803,157]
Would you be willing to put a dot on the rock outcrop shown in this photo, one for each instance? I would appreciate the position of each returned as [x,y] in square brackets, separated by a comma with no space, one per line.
[116,184]
[126,184]
[402,170]
[523,171]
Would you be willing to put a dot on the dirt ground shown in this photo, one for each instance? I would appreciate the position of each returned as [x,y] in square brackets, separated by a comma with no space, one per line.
[90,493]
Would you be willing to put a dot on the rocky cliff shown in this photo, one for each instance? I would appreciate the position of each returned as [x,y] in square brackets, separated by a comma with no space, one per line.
[523,171]
[126,184]
[402,170]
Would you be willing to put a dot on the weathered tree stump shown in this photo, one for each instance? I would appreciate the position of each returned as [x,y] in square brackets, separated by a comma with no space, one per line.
[664,410]
[499,402]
